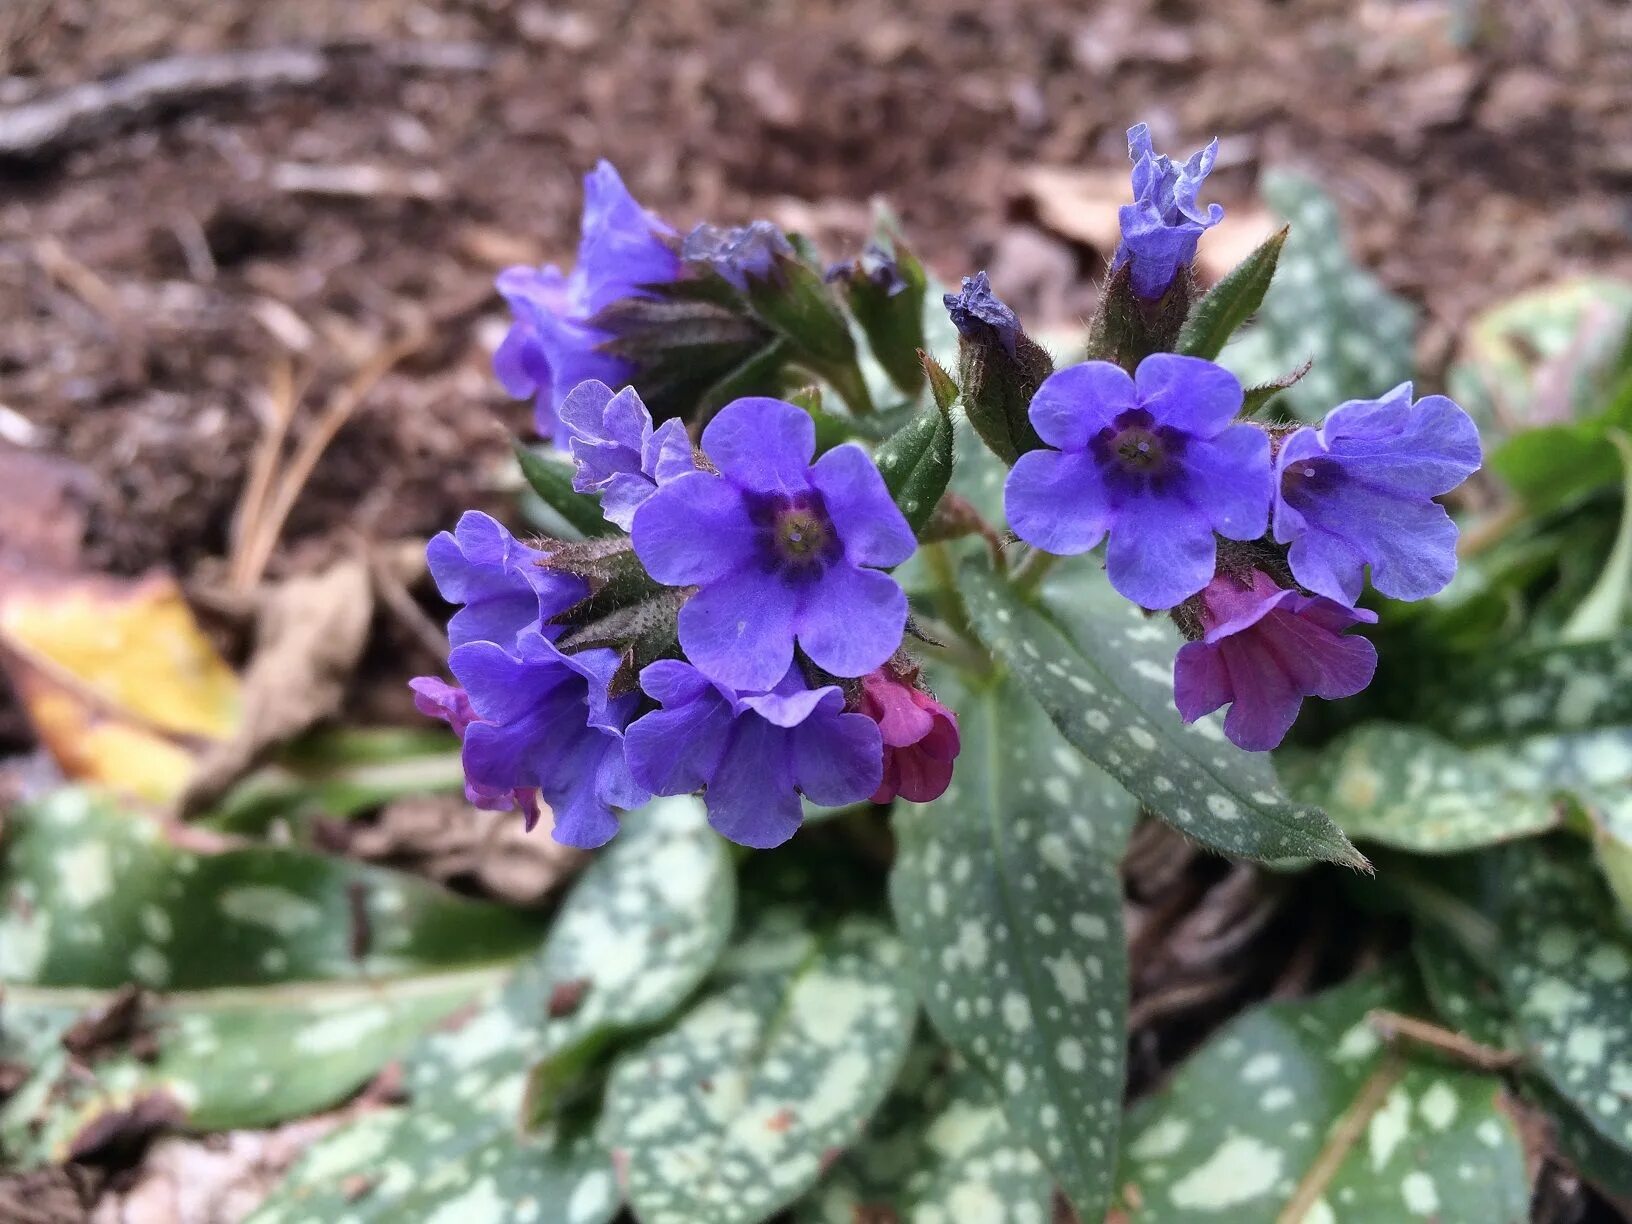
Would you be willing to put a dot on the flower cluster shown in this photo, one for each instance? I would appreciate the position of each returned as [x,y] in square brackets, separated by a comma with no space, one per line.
[784,680]
[1161,466]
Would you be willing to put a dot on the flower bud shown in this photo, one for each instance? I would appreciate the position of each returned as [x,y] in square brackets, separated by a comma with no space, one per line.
[920,734]
[999,368]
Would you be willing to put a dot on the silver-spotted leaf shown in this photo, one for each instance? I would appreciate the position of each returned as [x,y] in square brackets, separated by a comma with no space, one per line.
[1006,892]
[940,1149]
[729,1115]
[94,897]
[1322,308]
[1103,670]
[1244,1128]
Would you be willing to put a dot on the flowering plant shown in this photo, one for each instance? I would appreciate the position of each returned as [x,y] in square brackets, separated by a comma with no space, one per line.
[839,564]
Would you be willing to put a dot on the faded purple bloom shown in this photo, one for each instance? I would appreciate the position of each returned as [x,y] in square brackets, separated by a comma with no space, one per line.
[878,266]
[740,254]
[618,453]
[1162,225]
[552,345]
[544,721]
[437,698]
[1152,460]
[920,734]
[780,548]
[1267,648]
[481,565]
[980,315]
[752,754]
[1359,491]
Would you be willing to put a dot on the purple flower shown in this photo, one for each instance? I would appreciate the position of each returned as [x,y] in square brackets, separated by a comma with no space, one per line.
[740,254]
[920,735]
[877,266]
[1162,225]
[481,565]
[437,698]
[544,721]
[752,754]
[552,345]
[618,453]
[1266,649]
[980,315]
[1152,460]
[1359,491]
[780,549]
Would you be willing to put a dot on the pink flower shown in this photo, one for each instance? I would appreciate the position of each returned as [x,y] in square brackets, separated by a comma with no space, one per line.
[1265,649]
[920,735]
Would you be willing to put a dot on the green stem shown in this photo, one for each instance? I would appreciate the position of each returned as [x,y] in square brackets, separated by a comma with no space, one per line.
[1029,574]
[852,388]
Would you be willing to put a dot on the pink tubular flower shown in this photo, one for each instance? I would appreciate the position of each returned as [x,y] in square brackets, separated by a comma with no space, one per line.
[920,735]
[1265,649]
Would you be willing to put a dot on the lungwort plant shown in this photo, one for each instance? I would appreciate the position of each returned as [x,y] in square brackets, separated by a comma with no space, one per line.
[863,628]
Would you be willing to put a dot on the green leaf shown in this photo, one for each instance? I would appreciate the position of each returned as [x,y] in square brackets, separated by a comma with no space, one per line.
[1007,894]
[916,463]
[551,479]
[1563,962]
[1104,674]
[1603,611]
[939,1149]
[1406,787]
[1231,302]
[638,933]
[1322,308]
[729,1114]
[92,896]
[229,1058]
[640,929]
[1302,1098]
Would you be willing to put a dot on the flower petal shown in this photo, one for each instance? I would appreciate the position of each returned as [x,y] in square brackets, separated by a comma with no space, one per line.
[1161,552]
[739,629]
[1201,683]
[1056,502]
[1188,393]
[1230,479]
[693,529]
[762,444]
[871,527]
[1077,402]
[851,621]
[751,797]
[838,759]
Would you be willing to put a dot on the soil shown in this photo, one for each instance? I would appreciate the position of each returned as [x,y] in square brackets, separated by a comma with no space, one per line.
[156,269]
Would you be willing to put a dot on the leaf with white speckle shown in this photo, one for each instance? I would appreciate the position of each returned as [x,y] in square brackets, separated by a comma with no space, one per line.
[1007,894]
[1406,787]
[1103,671]
[1563,961]
[93,897]
[729,1115]
[940,1148]
[1322,308]
[636,934]
[1247,1124]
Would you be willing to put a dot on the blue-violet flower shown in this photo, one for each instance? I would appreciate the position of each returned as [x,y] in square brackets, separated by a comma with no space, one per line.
[553,346]
[1152,460]
[752,754]
[436,698]
[1161,227]
[1265,649]
[980,316]
[1359,491]
[618,453]
[545,721]
[481,565]
[740,254]
[781,549]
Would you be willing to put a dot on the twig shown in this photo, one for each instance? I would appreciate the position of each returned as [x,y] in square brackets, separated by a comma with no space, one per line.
[50,126]
[79,280]
[282,396]
[1344,1136]
[258,550]
[394,595]
[1393,1027]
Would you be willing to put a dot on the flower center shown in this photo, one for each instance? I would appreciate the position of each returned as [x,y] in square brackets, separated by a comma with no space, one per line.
[1133,450]
[795,532]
